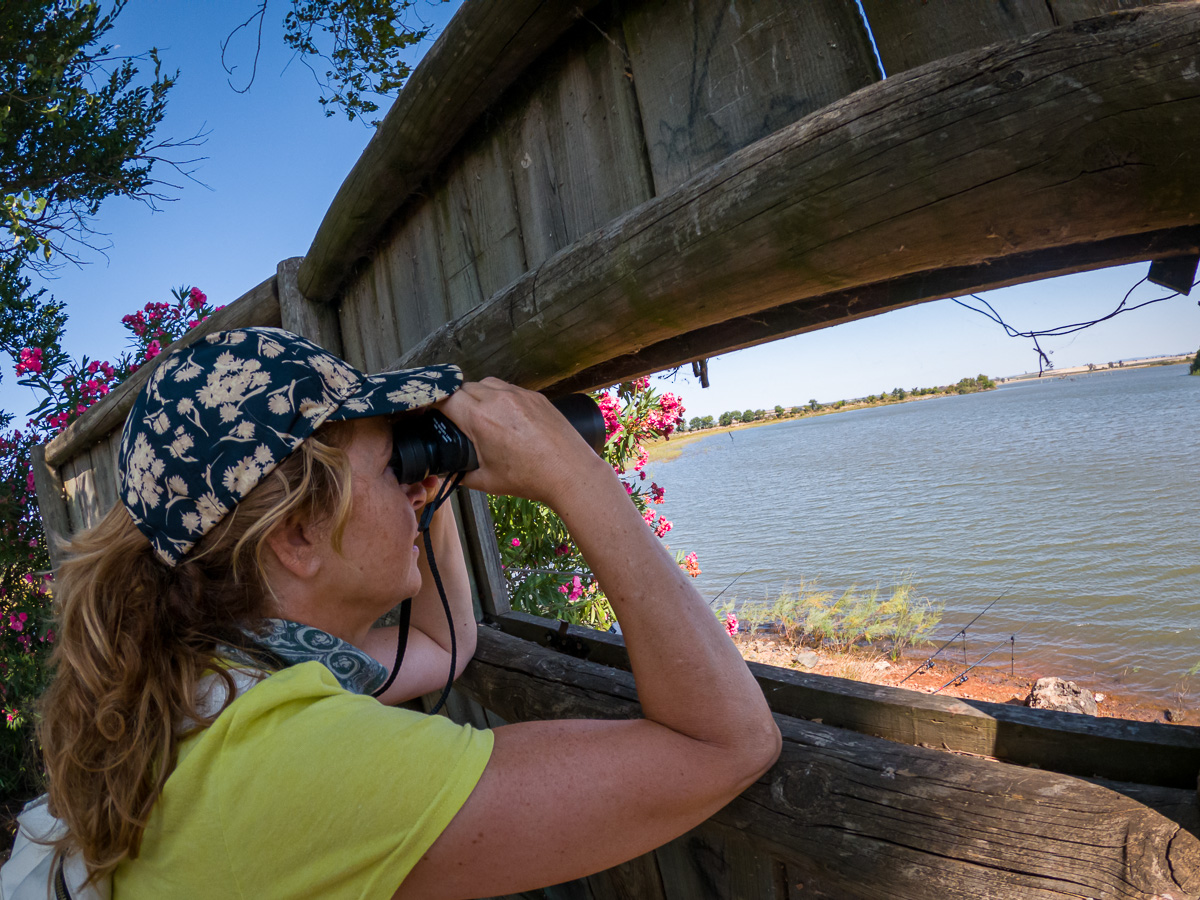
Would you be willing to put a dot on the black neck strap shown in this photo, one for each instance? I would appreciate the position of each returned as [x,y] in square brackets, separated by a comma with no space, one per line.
[433,506]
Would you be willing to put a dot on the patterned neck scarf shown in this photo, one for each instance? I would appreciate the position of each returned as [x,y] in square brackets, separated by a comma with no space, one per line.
[295,642]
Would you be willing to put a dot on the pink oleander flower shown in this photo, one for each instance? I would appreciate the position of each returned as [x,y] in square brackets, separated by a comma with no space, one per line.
[610,409]
[196,298]
[649,516]
[562,550]
[153,350]
[731,624]
[11,715]
[656,493]
[30,360]
[691,565]
[628,488]
[663,526]
[516,542]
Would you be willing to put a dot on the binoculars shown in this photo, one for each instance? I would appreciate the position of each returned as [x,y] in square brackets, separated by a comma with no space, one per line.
[430,444]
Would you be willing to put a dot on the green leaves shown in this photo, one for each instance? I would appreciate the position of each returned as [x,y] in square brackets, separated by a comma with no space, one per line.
[78,127]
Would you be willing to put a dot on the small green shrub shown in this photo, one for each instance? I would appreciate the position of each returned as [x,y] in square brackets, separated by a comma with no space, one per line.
[821,619]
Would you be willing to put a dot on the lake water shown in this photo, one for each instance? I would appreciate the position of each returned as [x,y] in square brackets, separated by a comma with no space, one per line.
[1077,495]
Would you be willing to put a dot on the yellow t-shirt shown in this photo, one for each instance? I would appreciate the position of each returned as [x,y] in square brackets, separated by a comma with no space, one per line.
[302,789]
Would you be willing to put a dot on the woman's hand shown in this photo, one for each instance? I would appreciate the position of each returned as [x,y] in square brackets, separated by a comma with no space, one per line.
[524,445]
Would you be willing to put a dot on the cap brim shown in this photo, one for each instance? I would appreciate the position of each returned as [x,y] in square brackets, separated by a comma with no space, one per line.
[402,390]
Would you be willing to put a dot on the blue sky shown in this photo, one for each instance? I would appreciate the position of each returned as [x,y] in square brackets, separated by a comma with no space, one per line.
[274,162]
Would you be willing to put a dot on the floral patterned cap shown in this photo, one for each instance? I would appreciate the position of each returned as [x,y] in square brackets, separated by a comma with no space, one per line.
[218,416]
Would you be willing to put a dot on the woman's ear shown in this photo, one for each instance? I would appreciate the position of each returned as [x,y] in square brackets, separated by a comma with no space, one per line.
[298,547]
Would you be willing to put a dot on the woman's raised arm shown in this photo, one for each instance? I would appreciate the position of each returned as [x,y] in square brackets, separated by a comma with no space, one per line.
[562,799]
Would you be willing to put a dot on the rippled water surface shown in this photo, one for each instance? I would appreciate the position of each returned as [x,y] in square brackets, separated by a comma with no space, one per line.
[1077,495]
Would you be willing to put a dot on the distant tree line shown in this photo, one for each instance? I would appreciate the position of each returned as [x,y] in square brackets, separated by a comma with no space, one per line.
[1195,369]
[895,395]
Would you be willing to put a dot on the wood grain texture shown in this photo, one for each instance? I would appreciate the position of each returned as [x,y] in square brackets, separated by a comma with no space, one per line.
[316,321]
[83,501]
[1143,752]
[258,306]
[910,33]
[1058,140]
[483,555]
[52,504]
[104,471]
[1066,12]
[573,143]
[715,75]
[352,318]
[481,52]
[844,306]
[852,816]
[413,255]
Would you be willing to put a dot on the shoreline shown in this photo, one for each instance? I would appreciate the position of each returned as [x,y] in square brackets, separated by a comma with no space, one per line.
[669,448]
[991,683]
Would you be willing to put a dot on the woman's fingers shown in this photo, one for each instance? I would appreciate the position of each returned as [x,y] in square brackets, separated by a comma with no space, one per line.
[524,445]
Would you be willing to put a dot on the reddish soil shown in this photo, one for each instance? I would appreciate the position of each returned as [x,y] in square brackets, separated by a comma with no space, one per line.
[990,683]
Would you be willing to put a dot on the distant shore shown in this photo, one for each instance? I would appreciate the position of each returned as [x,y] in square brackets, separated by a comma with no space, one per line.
[669,448]
[1106,367]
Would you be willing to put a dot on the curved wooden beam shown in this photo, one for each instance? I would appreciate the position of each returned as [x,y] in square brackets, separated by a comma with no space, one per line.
[852,816]
[483,50]
[1054,142]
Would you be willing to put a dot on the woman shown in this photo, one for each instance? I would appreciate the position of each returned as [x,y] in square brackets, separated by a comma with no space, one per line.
[211,731]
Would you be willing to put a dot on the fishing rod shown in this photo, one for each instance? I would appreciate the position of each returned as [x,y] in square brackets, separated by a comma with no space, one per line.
[961,677]
[962,632]
[727,587]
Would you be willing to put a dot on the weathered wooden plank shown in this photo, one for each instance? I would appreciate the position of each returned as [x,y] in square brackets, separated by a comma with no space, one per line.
[715,75]
[536,183]
[383,339]
[258,306]
[484,219]
[316,321]
[814,313]
[423,304]
[70,471]
[79,482]
[638,879]
[483,555]
[853,816]
[1145,752]
[910,33]
[351,319]
[1038,144]
[574,143]
[1065,12]
[713,862]
[482,51]
[463,291]
[104,472]
[52,504]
